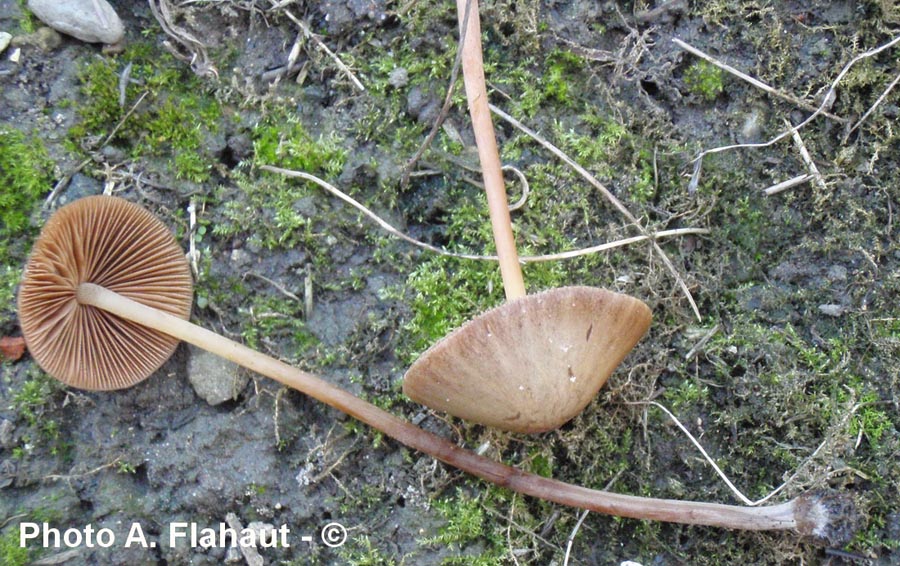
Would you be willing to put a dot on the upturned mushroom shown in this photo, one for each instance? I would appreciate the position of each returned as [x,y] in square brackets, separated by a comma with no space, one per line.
[534,363]
[104,300]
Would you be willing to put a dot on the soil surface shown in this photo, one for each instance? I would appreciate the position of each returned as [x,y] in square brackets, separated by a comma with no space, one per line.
[788,378]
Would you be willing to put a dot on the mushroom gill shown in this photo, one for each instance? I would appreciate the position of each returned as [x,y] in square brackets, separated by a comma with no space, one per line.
[122,247]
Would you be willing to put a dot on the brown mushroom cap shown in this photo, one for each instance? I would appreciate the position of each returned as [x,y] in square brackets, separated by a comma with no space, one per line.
[531,364]
[110,242]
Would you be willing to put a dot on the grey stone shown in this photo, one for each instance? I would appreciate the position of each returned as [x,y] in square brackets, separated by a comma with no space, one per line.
[93,21]
[6,433]
[398,78]
[214,379]
[832,310]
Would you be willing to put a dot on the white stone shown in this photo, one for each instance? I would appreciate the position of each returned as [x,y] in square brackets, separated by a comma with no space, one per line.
[93,21]
[5,38]
[214,379]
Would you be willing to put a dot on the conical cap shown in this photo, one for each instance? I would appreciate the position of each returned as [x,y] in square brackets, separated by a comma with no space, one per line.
[531,364]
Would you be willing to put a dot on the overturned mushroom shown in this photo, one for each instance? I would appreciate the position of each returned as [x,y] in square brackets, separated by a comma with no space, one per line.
[59,295]
[539,359]
[531,364]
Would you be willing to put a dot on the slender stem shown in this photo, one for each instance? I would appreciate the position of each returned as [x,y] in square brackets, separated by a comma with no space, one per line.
[800,514]
[491,169]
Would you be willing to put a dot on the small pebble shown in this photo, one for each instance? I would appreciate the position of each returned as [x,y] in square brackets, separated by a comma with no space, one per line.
[831,310]
[5,38]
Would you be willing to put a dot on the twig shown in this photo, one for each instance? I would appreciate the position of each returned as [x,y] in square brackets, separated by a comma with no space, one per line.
[706,337]
[321,45]
[753,81]
[195,49]
[807,160]
[251,555]
[609,197]
[69,477]
[334,465]
[524,259]
[878,102]
[281,288]
[785,185]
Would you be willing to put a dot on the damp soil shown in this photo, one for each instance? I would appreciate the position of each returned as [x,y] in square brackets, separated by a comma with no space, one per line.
[791,376]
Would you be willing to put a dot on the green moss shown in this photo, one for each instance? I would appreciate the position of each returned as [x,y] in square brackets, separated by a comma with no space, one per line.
[26,173]
[32,402]
[11,554]
[704,80]
[284,142]
[465,527]
[171,123]
[360,551]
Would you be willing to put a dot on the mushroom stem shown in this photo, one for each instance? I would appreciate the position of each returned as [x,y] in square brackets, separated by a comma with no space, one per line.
[491,169]
[809,514]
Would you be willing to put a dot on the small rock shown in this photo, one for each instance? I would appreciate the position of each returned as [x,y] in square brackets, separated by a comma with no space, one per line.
[832,310]
[93,21]
[214,379]
[837,273]
[398,78]
[240,258]
[5,38]
[6,433]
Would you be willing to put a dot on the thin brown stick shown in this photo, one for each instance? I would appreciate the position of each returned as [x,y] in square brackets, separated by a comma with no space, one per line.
[609,197]
[488,154]
[809,514]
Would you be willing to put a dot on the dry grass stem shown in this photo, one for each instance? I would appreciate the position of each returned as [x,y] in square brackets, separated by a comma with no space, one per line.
[526,189]
[281,288]
[321,45]
[807,160]
[609,197]
[878,102]
[827,101]
[426,246]
[191,50]
[785,185]
[753,81]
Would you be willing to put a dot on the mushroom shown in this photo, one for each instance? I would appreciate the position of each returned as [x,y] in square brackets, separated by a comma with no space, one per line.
[540,359]
[531,364]
[106,292]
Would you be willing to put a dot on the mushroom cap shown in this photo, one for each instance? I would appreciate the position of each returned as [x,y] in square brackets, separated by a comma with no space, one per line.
[110,242]
[533,363]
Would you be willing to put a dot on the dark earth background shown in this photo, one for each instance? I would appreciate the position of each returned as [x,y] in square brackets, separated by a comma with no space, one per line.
[791,375]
